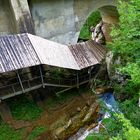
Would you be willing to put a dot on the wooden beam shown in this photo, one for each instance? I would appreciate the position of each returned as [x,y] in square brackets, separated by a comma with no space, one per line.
[77,76]
[5,112]
[42,80]
[56,85]
[20,82]
[89,72]
[63,90]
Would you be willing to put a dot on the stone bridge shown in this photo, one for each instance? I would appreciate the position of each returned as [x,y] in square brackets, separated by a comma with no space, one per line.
[60,21]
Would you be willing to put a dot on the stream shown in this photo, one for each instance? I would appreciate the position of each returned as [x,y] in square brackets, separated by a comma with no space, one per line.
[109,101]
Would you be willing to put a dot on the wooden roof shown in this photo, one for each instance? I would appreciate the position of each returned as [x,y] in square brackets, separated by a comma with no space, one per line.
[26,50]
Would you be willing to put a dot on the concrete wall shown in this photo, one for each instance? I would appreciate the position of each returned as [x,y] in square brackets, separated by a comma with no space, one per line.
[22,16]
[54,19]
[6,22]
[62,20]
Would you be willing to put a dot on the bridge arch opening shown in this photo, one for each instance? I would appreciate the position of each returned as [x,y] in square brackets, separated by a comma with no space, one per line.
[108,14]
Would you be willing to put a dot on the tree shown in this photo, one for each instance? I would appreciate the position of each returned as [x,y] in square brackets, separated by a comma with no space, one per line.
[126,42]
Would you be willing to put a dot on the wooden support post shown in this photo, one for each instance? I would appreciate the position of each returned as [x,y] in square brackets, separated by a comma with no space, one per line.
[37,98]
[20,82]
[89,72]
[29,84]
[77,80]
[13,89]
[42,80]
[5,112]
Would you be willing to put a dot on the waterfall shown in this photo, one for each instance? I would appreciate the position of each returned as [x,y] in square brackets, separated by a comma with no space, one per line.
[109,101]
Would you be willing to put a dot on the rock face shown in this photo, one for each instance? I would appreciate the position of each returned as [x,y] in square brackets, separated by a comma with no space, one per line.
[97,34]
[109,62]
[115,74]
[86,116]
[70,122]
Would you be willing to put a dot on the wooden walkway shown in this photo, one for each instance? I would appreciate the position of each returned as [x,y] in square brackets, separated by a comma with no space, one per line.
[42,81]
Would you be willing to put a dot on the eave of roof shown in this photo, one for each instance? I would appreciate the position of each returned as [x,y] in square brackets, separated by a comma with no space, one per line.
[25,50]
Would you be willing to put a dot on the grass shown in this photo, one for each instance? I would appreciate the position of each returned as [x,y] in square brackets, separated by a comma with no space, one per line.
[36,132]
[8,133]
[23,108]
[92,20]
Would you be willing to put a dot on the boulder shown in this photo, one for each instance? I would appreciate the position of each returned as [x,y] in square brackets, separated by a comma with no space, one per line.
[86,116]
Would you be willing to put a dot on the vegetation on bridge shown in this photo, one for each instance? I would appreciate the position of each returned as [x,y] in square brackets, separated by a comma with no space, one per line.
[93,19]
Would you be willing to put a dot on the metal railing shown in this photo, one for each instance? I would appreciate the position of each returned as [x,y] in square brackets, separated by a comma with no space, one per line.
[33,82]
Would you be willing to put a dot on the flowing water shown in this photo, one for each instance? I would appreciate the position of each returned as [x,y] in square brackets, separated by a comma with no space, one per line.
[109,101]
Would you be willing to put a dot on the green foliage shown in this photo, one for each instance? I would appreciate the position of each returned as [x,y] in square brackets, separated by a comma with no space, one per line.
[132,69]
[96,136]
[117,128]
[23,108]
[128,131]
[131,111]
[126,43]
[92,20]
[58,73]
[8,133]
[36,132]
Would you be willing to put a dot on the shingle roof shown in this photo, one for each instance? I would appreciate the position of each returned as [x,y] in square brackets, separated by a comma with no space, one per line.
[26,50]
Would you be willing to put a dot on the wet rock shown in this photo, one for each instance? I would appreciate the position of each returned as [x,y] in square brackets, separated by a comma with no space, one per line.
[84,117]
[78,109]
[92,126]
[90,115]
[69,119]
[101,90]
[68,124]
[97,33]
[114,74]
[59,131]
[88,103]
[109,62]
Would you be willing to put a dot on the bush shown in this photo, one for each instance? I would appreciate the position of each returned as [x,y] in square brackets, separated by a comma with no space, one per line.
[92,20]
[36,132]
[131,111]
[8,133]
[126,43]
[23,108]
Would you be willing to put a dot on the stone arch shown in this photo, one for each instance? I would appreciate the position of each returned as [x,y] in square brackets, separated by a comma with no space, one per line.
[62,20]
[89,6]
[109,15]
